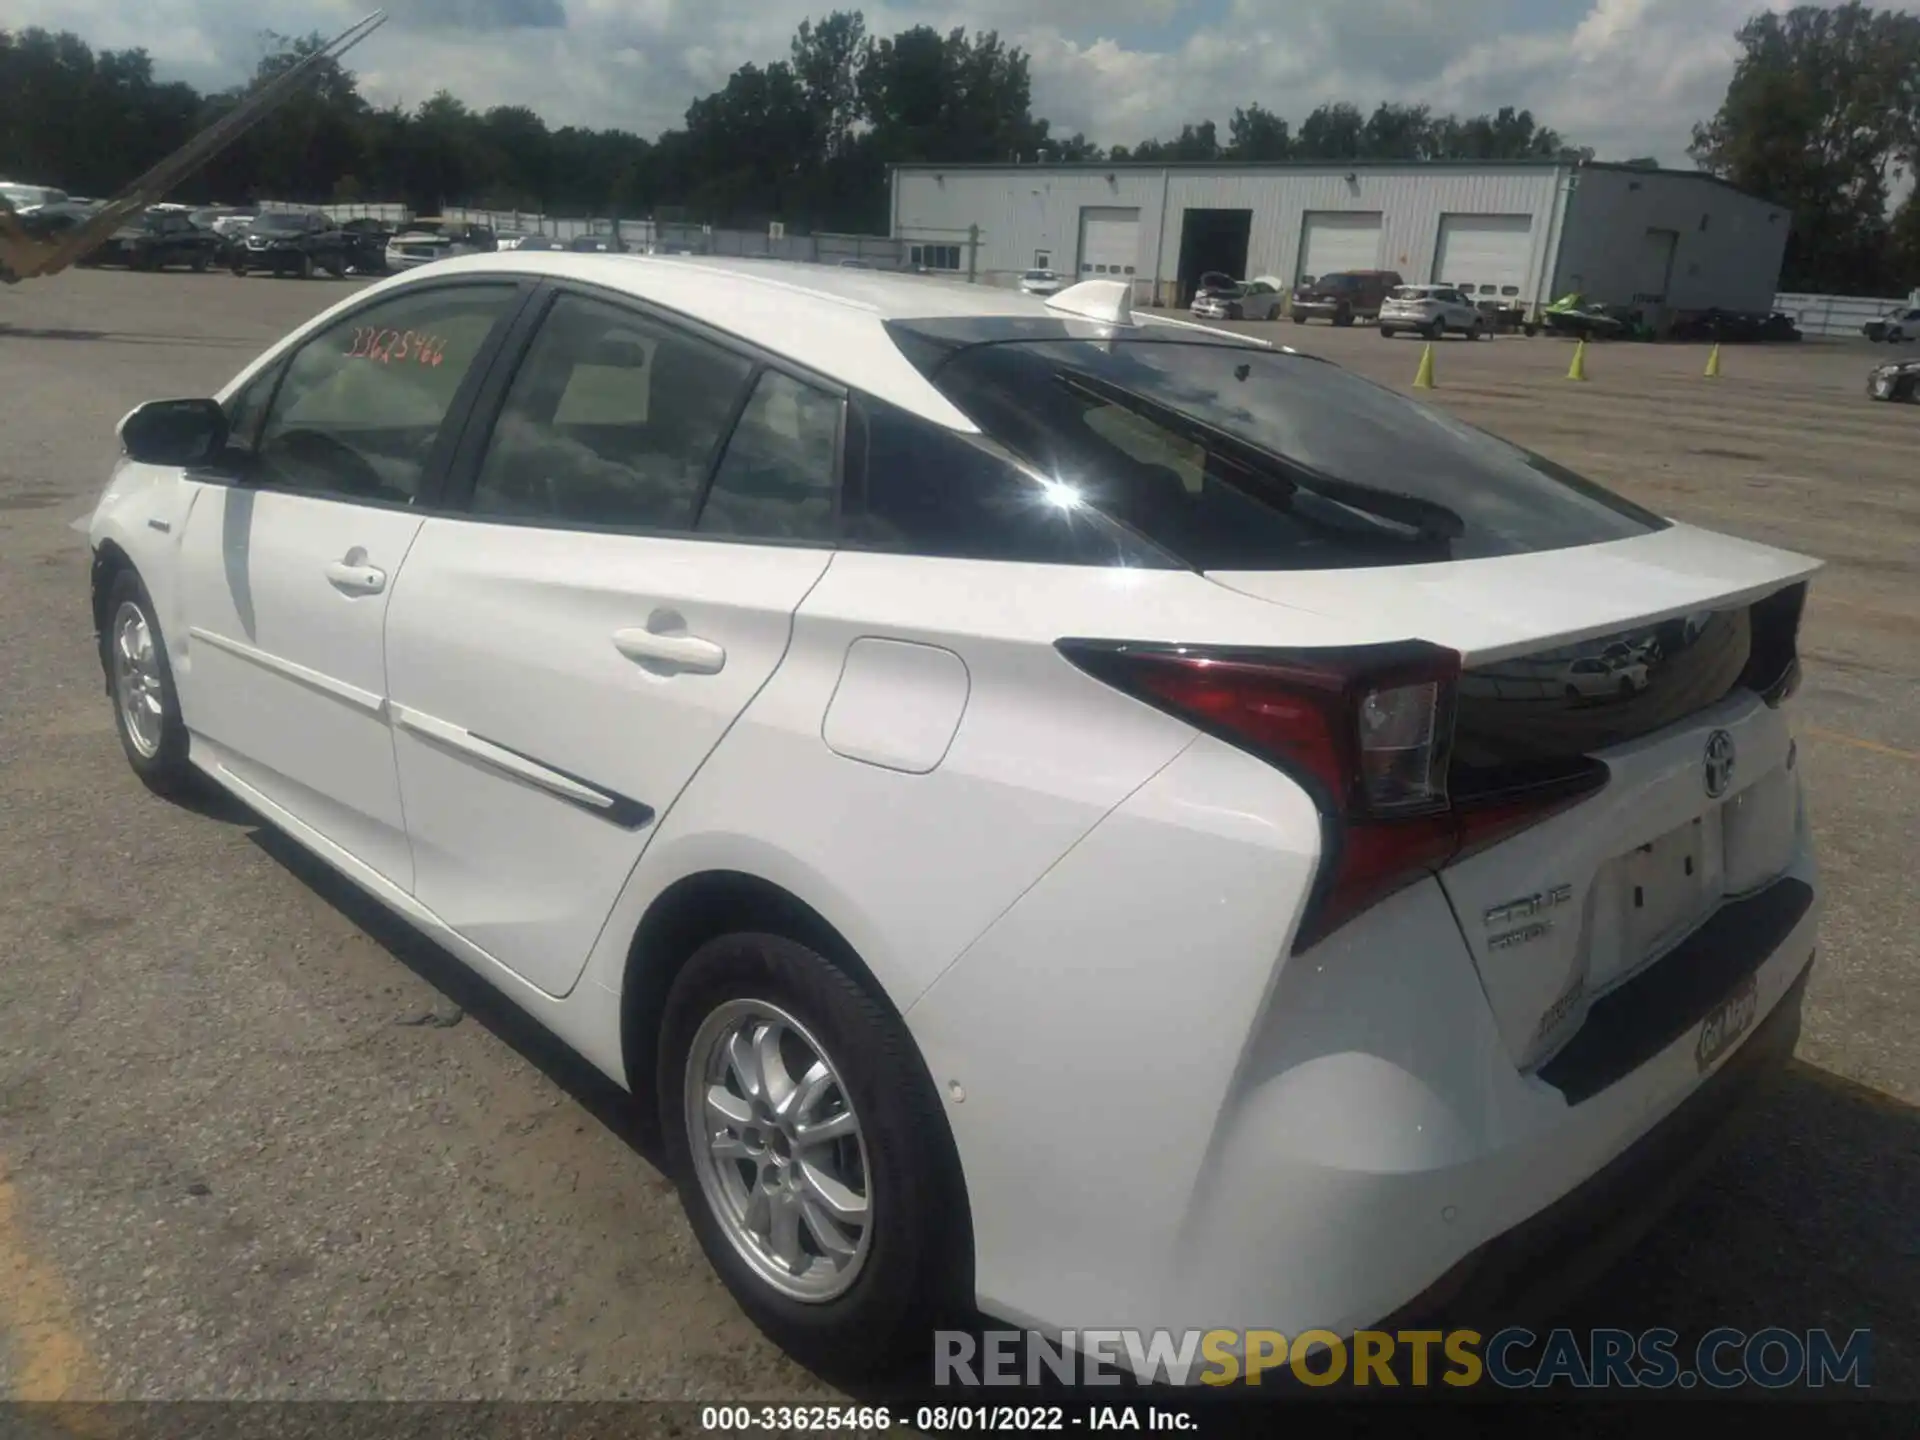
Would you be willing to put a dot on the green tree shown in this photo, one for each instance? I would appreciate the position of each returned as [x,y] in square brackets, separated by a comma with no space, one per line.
[1822,116]
[1257,134]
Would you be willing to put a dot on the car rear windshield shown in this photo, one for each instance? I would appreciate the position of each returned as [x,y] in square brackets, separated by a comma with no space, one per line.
[1231,457]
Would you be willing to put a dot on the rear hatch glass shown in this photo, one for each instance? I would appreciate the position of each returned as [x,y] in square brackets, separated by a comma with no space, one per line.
[1239,458]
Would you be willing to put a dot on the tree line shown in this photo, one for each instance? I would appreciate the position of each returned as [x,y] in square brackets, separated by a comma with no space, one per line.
[1820,116]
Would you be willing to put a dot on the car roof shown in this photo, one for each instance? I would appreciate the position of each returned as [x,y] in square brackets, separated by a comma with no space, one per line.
[830,319]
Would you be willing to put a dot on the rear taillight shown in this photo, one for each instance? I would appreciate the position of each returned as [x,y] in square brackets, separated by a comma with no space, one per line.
[1773,657]
[1366,730]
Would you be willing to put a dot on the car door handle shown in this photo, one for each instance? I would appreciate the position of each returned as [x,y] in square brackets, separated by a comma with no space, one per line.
[356,579]
[669,654]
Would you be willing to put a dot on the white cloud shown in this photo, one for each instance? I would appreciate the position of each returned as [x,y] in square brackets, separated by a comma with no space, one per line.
[1626,76]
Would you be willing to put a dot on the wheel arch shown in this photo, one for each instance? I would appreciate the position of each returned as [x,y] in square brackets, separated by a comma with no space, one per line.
[707,904]
[108,561]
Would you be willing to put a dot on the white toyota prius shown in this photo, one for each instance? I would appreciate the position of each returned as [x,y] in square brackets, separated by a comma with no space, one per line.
[1062,811]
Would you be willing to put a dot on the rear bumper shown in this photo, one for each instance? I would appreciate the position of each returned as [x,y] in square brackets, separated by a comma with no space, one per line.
[1532,1270]
[1150,1144]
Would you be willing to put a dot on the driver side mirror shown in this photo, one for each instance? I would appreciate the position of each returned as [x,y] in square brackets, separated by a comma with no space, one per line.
[182,433]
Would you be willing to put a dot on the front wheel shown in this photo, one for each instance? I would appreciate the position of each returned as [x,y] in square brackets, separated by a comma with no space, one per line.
[1437,330]
[1343,317]
[240,268]
[1476,331]
[811,1154]
[146,708]
[303,267]
[1386,332]
[200,263]
[1299,319]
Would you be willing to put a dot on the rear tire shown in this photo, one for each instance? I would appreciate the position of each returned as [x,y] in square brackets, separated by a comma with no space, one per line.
[1343,316]
[200,263]
[862,1300]
[1476,331]
[146,708]
[303,267]
[1386,332]
[240,268]
[1298,319]
[1437,330]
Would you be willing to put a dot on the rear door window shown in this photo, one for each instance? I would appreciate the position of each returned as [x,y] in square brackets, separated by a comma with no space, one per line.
[1232,457]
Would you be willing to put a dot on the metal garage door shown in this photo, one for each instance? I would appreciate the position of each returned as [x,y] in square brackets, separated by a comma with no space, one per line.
[1109,243]
[1487,256]
[1332,240]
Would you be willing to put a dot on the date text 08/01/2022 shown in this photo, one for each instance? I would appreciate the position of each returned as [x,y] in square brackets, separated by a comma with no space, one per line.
[941,1419]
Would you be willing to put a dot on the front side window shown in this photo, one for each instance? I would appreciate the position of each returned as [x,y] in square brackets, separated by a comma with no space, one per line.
[363,402]
[1232,457]
[612,420]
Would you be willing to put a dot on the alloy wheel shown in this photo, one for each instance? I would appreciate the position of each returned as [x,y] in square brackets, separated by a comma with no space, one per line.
[137,684]
[778,1150]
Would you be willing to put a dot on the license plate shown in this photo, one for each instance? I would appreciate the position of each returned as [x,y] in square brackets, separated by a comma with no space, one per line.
[1726,1023]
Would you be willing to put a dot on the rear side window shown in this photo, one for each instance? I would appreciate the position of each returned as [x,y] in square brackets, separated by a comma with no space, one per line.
[778,475]
[1235,458]
[922,489]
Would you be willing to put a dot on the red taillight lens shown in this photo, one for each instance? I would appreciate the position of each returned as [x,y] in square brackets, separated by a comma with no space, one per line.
[1366,730]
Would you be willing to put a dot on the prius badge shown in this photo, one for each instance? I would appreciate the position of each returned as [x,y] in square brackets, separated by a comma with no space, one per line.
[1719,771]
[1525,908]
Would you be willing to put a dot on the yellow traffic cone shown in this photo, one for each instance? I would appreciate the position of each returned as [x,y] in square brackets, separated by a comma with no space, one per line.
[1713,362]
[1578,370]
[1423,377]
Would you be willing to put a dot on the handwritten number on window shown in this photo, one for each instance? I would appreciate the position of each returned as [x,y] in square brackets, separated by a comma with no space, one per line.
[388,347]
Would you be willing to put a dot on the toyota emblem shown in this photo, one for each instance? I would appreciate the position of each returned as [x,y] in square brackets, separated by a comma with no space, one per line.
[1719,763]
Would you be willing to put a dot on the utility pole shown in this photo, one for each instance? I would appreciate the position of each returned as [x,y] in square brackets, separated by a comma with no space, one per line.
[973,253]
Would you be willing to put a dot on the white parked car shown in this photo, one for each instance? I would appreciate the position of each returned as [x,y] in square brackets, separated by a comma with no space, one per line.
[1222,298]
[1432,311]
[421,242]
[1042,282]
[1598,675]
[1007,781]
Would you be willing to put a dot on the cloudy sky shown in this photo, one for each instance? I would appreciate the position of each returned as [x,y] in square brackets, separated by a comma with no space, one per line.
[1628,77]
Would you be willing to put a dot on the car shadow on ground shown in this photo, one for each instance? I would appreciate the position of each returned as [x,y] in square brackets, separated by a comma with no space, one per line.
[1806,1222]
[615,1109]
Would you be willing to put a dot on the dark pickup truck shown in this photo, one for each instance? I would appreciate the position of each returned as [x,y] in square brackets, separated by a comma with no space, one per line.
[295,242]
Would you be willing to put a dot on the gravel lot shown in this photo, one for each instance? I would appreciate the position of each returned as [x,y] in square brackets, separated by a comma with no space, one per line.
[256,1141]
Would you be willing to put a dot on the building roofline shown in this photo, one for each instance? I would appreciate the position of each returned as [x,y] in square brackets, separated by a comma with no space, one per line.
[1622,167]
[1101,166]
[1284,167]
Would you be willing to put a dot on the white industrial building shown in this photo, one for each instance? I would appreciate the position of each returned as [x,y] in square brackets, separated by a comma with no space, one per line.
[1668,241]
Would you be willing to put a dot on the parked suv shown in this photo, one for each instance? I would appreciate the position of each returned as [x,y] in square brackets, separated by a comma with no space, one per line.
[1430,310]
[1344,296]
[293,242]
